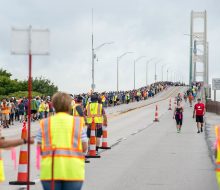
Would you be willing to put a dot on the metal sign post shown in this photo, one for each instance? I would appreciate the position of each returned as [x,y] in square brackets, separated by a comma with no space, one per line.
[215,86]
[30,42]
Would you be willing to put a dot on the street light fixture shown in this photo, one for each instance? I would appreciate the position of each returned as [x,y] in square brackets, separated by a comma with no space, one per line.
[136,60]
[118,59]
[93,58]
[155,75]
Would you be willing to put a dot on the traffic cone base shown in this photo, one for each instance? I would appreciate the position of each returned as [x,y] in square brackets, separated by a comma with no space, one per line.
[94,156]
[21,183]
[106,147]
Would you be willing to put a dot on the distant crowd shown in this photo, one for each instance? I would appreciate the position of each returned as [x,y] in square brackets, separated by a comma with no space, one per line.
[15,109]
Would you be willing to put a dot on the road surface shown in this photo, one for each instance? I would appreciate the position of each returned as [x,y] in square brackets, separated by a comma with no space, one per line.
[144,155]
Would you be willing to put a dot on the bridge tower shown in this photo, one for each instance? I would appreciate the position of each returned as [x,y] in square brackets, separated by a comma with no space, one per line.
[198,49]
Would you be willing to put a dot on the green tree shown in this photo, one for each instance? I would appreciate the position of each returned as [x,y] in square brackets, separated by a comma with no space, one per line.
[40,85]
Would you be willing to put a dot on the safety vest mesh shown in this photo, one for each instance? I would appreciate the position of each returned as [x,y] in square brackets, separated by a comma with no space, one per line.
[2,175]
[94,110]
[61,136]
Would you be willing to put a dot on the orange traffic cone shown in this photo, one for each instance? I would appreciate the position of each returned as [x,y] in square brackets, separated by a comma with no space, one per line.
[156,114]
[92,142]
[170,108]
[23,162]
[104,138]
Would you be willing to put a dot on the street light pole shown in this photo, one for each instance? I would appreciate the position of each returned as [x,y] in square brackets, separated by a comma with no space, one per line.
[94,55]
[118,58]
[147,69]
[135,66]
[162,70]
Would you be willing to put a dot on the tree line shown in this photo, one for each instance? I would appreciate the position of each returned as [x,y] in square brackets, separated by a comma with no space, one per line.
[14,87]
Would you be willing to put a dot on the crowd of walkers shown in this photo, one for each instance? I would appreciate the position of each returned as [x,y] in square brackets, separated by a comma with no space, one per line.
[15,109]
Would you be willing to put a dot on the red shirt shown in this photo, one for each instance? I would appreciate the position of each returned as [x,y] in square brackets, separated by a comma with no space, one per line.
[199,107]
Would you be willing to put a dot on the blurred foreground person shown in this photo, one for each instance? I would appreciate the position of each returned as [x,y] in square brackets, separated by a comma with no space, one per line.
[63,141]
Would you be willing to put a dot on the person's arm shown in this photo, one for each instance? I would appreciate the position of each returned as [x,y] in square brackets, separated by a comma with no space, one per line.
[194,111]
[15,142]
[84,140]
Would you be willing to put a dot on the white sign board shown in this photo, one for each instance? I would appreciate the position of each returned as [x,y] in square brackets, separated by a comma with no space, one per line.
[34,41]
[216,84]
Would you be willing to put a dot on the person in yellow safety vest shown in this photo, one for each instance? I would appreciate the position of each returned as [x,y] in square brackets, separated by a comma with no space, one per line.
[5,111]
[63,142]
[127,97]
[46,109]
[115,99]
[103,98]
[95,112]
[78,108]
[4,144]
[41,109]
[217,132]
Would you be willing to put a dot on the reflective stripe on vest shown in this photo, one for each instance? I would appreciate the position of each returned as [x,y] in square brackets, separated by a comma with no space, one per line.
[65,153]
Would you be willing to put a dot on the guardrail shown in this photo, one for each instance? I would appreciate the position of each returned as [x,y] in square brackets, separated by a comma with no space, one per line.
[213,106]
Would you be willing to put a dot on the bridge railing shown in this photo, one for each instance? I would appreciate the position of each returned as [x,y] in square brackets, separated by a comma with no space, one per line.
[213,106]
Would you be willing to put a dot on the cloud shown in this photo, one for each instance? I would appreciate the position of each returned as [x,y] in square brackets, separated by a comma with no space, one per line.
[149,28]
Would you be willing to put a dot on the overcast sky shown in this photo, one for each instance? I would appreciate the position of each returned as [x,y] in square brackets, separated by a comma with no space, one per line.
[153,28]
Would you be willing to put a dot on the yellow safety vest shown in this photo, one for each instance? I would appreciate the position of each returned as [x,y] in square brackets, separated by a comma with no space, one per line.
[103,99]
[217,131]
[94,110]
[41,107]
[2,175]
[61,136]
[75,112]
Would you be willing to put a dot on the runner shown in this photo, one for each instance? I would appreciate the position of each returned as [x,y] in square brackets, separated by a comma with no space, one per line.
[178,116]
[199,111]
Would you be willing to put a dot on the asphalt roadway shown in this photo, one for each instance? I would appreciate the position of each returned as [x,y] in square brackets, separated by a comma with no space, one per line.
[144,155]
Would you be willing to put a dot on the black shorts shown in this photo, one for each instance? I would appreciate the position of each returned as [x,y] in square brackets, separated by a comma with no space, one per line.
[179,121]
[98,132]
[199,119]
